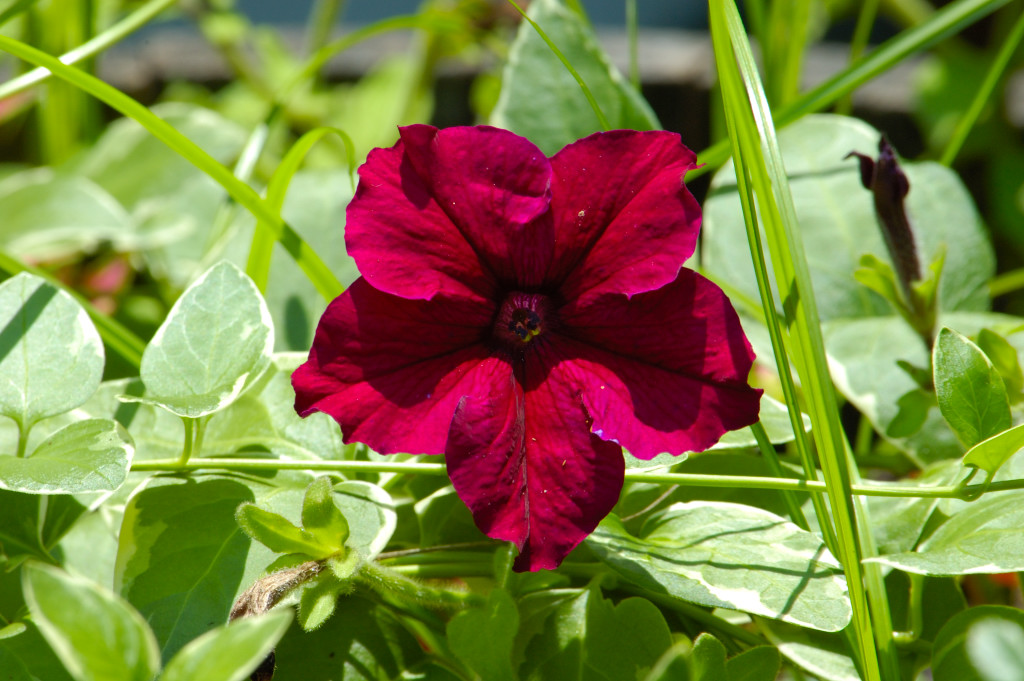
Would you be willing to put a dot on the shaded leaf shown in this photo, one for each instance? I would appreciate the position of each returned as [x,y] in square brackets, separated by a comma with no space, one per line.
[483,637]
[950,661]
[182,580]
[983,538]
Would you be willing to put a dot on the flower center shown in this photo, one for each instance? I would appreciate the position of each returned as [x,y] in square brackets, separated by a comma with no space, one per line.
[522,317]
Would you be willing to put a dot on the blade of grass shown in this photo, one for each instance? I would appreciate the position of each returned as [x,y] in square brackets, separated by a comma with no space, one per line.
[319,274]
[752,131]
[859,41]
[981,97]
[947,21]
[632,32]
[262,248]
[97,44]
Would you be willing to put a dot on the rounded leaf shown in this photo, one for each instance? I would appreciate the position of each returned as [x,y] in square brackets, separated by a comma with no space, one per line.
[214,344]
[51,356]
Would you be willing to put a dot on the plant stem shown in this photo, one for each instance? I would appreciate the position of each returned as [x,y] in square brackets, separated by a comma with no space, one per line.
[686,479]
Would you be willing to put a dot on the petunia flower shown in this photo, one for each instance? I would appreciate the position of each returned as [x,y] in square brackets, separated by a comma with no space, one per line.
[529,317]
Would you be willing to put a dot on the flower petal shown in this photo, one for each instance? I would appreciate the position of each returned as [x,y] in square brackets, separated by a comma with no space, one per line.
[663,371]
[624,221]
[524,461]
[451,211]
[391,371]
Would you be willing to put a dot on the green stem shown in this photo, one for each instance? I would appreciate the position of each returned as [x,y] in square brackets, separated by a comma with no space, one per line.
[321,20]
[982,96]
[23,432]
[632,32]
[771,457]
[186,449]
[861,34]
[687,479]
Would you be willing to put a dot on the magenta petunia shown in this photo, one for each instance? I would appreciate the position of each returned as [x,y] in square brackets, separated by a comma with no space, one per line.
[529,317]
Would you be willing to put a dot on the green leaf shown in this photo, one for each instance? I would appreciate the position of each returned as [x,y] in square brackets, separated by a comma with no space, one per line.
[972,397]
[95,633]
[774,417]
[825,655]
[950,650]
[51,357]
[536,80]
[86,456]
[996,649]
[27,657]
[231,652]
[587,637]
[755,664]
[321,517]
[992,453]
[318,601]
[49,216]
[483,637]
[730,556]
[838,223]
[278,534]
[32,524]
[371,516]
[707,659]
[864,355]
[1004,359]
[181,556]
[361,642]
[983,538]
[215,342]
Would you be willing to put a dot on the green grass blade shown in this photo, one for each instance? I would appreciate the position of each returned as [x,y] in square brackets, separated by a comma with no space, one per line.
[258,265]
[97,44]
[947,21]
[981,97]
[319,274]
[752,132]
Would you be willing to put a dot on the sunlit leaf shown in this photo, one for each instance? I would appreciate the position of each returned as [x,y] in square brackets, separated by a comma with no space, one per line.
[215,342]
[231,652]
[971,394]
[96,634]
[86,456]
[730,556]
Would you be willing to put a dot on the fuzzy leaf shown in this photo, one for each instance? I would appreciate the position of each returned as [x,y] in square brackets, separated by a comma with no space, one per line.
[278,534]
[321,517]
